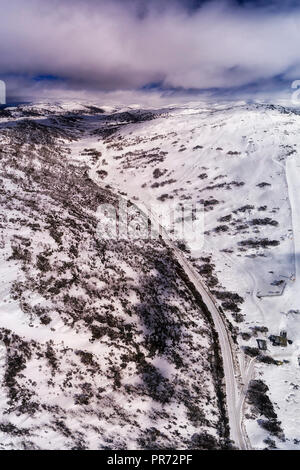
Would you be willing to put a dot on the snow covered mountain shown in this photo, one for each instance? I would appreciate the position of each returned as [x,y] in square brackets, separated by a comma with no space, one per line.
[109,342]
[103,343]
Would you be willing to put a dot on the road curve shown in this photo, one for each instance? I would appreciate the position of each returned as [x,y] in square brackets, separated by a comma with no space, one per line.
[230,365]
[237,431]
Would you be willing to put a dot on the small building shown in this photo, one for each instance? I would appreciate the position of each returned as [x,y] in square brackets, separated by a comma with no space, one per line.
[278,340]
[283,334]
[262,344]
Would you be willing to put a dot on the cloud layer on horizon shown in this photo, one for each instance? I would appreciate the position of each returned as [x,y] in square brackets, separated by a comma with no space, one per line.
[124,45]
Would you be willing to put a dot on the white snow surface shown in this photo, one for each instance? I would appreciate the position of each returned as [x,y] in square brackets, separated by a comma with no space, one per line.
[245,159]
[103,344]
[238,163]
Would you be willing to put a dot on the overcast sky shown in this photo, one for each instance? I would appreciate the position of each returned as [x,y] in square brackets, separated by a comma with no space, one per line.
[65,47]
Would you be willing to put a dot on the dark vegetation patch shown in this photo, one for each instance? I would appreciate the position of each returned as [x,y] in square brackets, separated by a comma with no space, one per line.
[221,228]
[203,441]
[225,218]
[11,429]
[164,197]
[209,204]
[257,397]
[163,183]
[198,147]
[250,351]
[230,300]
[259,243]
[157,173]
[265,221]
[102,173]
[225,185]
[247,207]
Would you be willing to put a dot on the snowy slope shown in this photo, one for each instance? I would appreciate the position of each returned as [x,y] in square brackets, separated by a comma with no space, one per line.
[239,164]
[103,344]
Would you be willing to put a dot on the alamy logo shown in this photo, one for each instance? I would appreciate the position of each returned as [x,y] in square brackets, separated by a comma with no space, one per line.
[126,221]
[296,94]
[2,92]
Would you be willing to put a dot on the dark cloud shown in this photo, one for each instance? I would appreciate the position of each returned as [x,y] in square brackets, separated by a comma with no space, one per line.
[125,45]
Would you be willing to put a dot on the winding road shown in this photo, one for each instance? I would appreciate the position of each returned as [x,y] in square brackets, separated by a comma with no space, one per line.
[235,394]
[236,377]
[235,388]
